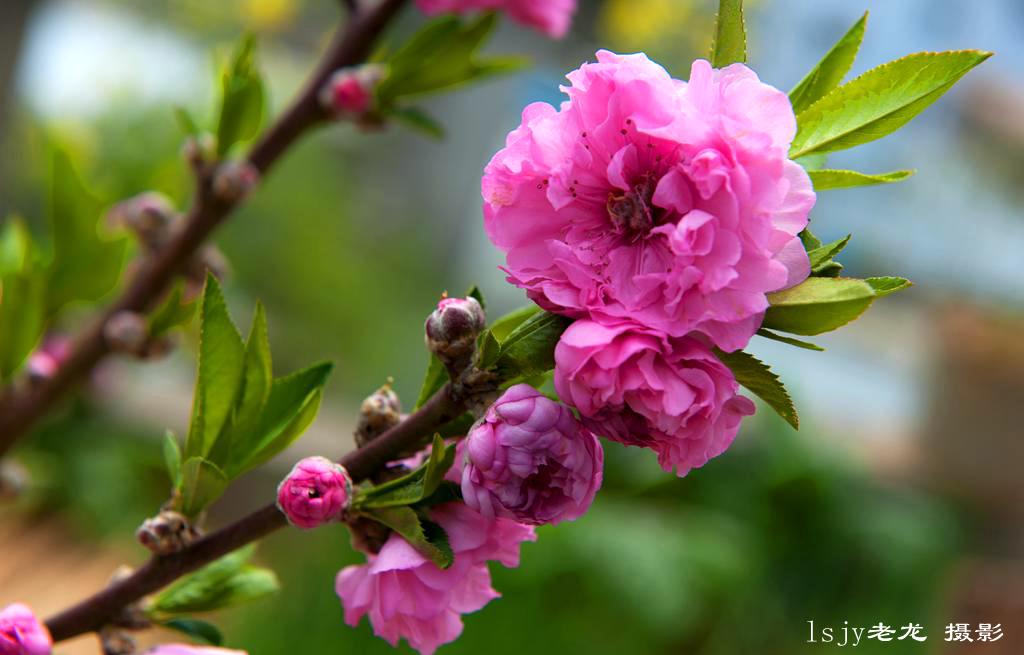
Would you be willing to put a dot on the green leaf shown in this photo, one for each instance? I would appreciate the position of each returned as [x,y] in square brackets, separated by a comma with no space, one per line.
[227,582]
[502,327]
[831,70]
[221,365]
[22,298]
[186,122]
[880,101]
[85,267]
[809,240]
[759,380]
[412,488]
[434,379]
[821,257]
[203,631]
[172,458]
[242,97]
[172,313]
[256,383]
[813,162]
[806,345]
[821,304]
[475,292]
[418,120]
[202,482]
[290,408]
[730,42]
[425,536]
[839,179]
[529,349]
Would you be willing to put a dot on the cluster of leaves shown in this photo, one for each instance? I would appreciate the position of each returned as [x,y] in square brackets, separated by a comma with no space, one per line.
[442,55]
[228,582]
[241,415]
[37,282]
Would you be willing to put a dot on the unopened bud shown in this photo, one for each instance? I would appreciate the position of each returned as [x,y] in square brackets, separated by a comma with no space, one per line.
[234,180]
[315,492]
[380,412]
[199,150]
[451,331]
[150,215]
[127,333]
[349,94]
[166,533]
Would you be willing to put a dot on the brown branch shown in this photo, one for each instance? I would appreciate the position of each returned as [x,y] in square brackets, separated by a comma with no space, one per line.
[94,612]
[351,45]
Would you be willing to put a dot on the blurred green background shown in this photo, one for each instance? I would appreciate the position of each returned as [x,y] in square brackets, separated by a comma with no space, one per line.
[899,501]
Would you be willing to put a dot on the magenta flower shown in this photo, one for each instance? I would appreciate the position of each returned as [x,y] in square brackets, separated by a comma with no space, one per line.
[550,17]
[316,492]
[184,649]
[643,388]
[21,633]
[668,203]
[530,459]
[407,596]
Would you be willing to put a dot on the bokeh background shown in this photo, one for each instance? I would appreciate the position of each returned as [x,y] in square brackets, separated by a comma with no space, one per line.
[899,501]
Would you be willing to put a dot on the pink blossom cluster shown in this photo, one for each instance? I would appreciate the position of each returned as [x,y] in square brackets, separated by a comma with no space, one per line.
[660,214]
[21,633]
[550,17]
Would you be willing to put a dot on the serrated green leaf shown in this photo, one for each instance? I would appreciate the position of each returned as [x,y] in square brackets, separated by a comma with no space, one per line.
[290,408]
[225,583]
[435,378]
[529,349]
[417,119]
[202,482]
[242,97]
[755,376]
[730,41]
[407,523]
[880,101]
[203,631]
[172,313]
[821,304]
[806,345]
[258,377]
[488,350]
[831,70]
[826,179]
[502,327]
[85,267]
[813,162]
[172,458]
[221,365]
[821,257]
[412,488]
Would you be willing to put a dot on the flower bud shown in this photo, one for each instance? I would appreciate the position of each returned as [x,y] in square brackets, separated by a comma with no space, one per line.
[349,94]
[451,331]
[317,491]
[127,333]
[21,633]
[235,180]
[166,533]
[44,361]
[380,412]
[530,459]
[149,215]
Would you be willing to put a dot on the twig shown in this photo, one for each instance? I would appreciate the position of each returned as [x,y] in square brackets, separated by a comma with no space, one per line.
[93,612]
[351,45]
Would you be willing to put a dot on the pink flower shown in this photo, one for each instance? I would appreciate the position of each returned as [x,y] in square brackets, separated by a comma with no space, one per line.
[21,633]
[184,649]
[316,492]
[408,596]
[551,17]
[643,388]
[531,460]
[668,203]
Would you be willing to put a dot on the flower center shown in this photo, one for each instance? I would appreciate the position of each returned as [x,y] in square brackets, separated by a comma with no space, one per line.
[631,212]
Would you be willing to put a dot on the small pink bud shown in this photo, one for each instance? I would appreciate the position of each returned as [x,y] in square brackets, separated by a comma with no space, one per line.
[349,92]
[451,331]
[21,633]
[235,180]
[150,215]
[43,362]
[317,491]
